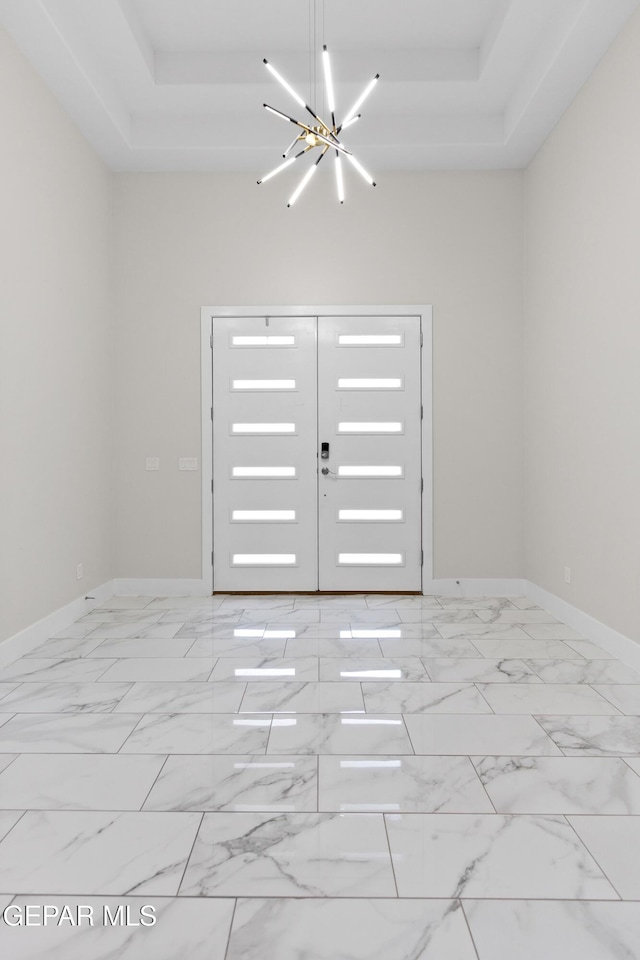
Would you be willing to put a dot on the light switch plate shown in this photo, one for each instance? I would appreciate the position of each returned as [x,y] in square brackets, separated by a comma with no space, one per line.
[153,463]
[188,463]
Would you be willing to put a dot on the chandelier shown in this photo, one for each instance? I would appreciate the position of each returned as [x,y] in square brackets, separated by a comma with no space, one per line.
[320,136]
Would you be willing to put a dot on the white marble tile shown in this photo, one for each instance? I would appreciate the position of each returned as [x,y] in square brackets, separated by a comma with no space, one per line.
[277,602]
[519,617]
[466,855]
[589,650]
[440,734]
[479,670]
[142,648]
[198,733]
[430,615]
[64,698]
[169,669]
[592,736]
[555,698]
[341,648]
[332,733]
[191,615]
[526,649]
[293,854]
[197,929]
[307,615]
[186,697]
[62,648]
[221,629]
[423,698]
[292,929]
[554,930]
[237,647]
[65,732]
[487,631]
[372,669]
[388,616]
[626,697]
[175,603]
[427,647]
[136,631]
[614,842]
[331,602]
[524,603]
[126,603]
[43,670]
[551,631]
[97,852]
[375,601]
[50,781]
[237,784]
[74,631]
[476,603]
[584,671]
[265,697]
[560,785]
[8,819]
[244,669]
[401,785]
[100,616]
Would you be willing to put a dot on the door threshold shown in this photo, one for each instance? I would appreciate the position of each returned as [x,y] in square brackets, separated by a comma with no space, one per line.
[316,593]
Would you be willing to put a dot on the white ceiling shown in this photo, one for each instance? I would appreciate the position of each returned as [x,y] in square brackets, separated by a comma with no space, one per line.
[179,84]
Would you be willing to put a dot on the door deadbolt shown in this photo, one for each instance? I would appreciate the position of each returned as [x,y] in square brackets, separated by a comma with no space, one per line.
[324,451]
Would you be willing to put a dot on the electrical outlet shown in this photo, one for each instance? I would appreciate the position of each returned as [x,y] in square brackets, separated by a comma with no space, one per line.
[153,463]
[567,574]
[79,571]
[188,463]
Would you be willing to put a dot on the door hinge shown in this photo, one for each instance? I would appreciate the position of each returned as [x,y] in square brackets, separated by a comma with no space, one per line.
[421,412]
[421,485]
[212,414]
[422,558]
[212,558]
[211,341]
[212,486]
[421,338]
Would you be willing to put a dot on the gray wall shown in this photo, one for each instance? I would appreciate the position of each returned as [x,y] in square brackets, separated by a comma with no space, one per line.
[450,239]
[582,347]
[56,504]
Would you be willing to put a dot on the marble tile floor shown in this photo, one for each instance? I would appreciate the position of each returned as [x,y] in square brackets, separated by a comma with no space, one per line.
[320,778]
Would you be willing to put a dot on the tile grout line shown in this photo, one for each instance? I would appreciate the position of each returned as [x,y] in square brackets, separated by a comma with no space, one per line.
[593,857]
[393,869]
[233,917]
[466,920]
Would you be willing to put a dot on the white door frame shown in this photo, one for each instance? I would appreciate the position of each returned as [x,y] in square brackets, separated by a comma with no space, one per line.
[208,315]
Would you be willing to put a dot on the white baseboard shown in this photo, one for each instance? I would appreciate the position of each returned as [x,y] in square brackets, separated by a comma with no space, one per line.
[161,588]
[475,588]
[615,643]
[26,640]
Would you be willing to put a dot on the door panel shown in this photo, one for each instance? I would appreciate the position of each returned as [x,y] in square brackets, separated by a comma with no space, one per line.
[286,518]
[369,414]
[265,465]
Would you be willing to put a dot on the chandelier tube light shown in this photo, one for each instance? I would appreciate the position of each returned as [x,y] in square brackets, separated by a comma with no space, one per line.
[323,136]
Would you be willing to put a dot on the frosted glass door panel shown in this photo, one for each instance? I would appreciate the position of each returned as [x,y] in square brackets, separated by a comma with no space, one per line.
[265,454]
[369,376]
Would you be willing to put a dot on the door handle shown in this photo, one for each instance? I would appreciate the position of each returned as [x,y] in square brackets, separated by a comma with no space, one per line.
[325,471]
[324,451]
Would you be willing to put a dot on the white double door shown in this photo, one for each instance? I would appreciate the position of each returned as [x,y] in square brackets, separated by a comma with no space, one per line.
[317,453]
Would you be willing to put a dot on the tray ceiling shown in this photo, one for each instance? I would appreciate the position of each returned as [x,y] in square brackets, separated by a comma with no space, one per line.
[172,85]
